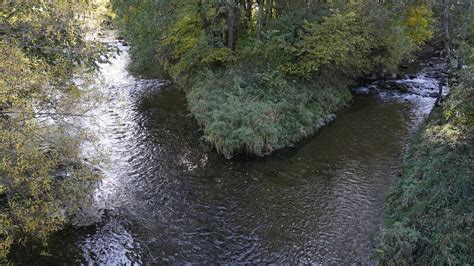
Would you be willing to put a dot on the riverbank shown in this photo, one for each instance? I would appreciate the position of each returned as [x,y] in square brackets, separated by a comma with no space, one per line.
[262,80]
[429,212]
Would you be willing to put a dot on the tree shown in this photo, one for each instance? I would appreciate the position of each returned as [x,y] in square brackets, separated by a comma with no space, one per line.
[42,47]
[447,48]
[464,32]
[232,24]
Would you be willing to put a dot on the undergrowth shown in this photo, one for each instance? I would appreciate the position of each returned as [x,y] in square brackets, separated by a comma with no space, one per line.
[429,214]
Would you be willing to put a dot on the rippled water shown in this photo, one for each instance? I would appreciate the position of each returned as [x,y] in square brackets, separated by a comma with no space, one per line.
[167,197]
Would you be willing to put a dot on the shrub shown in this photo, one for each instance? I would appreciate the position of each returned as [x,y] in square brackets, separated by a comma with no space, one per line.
[259,112]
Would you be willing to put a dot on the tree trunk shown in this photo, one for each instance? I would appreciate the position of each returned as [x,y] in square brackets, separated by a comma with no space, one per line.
[219,33]
[465,28]
[232,24]
[260,18]
[204,21]
[269,12]
[248,11]
[439,98]
[447,48]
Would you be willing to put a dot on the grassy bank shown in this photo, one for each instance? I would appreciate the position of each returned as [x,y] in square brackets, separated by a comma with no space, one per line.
[429,214]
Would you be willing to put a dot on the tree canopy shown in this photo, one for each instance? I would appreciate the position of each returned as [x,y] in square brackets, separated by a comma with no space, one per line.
[42,48]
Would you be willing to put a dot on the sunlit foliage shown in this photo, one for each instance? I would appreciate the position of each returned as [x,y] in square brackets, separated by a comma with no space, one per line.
[42,47]
[341,44]
[420,22]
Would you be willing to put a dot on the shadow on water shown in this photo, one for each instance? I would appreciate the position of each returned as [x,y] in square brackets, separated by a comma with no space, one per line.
[168,197]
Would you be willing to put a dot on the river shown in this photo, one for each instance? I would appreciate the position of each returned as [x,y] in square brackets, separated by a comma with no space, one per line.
[167,197]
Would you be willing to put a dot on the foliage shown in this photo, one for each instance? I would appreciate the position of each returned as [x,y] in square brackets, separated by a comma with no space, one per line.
[391,40]
[160,36]
[341,43]
[429,214]
[420,23]
[243,62]
[42,47]
[259,112]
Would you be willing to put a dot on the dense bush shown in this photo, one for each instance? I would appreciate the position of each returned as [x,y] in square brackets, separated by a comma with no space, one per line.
[259,112]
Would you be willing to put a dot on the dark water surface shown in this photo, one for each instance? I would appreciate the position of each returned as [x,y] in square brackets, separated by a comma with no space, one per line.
[167,197]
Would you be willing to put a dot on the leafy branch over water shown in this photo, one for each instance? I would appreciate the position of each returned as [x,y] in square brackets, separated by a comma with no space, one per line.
[42,177]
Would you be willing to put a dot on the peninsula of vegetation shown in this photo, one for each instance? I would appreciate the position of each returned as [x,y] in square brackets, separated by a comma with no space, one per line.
[262,75]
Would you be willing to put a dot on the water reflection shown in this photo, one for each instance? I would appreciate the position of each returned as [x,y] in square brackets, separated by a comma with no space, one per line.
[167,197]
[111,244]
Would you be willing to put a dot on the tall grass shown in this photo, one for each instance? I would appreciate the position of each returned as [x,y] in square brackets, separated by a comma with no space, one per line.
[429,214]
[243,112]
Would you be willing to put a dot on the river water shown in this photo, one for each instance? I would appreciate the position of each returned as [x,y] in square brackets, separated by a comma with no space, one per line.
[167,197]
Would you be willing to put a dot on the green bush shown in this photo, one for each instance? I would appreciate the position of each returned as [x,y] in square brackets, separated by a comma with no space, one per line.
[259,112]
